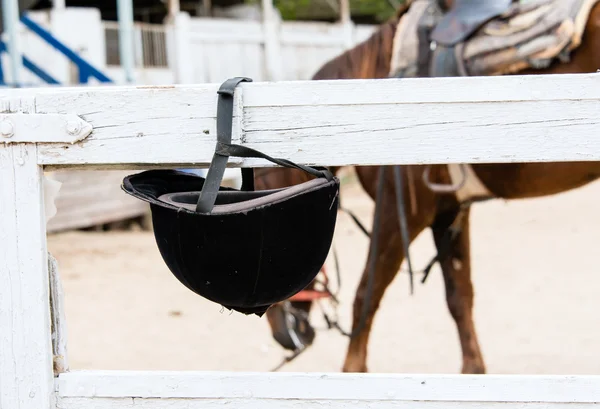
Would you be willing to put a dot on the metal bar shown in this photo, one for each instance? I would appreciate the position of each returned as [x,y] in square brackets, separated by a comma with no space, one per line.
[31,66]
[37,70]
[126,48]
[2,50]
[82,65]
[11,21]
[1,72]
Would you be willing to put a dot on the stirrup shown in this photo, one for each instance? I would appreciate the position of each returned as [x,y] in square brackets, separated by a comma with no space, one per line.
[445,188]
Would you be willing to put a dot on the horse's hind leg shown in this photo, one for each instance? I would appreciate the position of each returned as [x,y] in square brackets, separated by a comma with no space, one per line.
[456,267]
[388,258]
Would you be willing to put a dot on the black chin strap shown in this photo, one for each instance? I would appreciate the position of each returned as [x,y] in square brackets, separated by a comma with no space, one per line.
[210,189]
[224,149]
[246,152]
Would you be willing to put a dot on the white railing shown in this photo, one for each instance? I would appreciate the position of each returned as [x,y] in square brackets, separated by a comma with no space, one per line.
[289,50]
[191,50]
[351,122]
[150,44]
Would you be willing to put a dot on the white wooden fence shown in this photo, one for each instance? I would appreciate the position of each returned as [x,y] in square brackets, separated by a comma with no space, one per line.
[357,122]
[221,48]
[206,50]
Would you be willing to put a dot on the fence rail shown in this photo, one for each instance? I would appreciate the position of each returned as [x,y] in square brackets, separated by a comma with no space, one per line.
[113,390]
[364,122]
[349,122]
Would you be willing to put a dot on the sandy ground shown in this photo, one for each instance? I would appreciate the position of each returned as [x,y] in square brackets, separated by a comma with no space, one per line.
[536,280]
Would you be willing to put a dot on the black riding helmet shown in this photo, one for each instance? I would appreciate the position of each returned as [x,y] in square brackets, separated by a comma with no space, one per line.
[243,249]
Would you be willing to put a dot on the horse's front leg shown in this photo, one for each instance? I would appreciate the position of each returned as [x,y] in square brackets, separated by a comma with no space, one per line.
[387,257]
[456,267]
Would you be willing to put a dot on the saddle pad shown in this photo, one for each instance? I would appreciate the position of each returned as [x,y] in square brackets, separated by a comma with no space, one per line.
[406,41]
[529,34]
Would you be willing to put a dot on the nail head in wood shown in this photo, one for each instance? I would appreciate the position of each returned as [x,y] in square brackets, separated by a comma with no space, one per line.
[7,129]
[73,127]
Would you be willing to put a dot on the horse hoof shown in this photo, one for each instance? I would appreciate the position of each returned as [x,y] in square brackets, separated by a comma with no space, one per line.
[474,368]
[355,368]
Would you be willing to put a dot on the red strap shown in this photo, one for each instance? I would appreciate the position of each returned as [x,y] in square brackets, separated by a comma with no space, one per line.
[310,295]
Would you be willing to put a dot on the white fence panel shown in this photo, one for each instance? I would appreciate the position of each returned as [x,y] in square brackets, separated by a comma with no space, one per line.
[222,48]
[351,122]
[306,46]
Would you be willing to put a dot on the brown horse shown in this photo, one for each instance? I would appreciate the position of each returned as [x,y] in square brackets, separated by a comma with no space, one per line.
[371,59]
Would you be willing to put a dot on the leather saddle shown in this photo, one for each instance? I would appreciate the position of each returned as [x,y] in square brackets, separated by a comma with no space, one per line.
[465,17]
